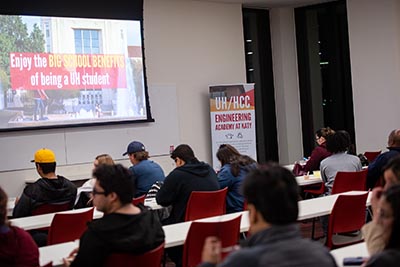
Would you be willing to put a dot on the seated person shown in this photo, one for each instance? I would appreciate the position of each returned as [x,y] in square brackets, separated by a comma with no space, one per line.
[318,154]
[388,214]
[375,168]
[234,167]
[145,171]
[50,188]
[275,239]
[84,196]
[124,228]
[189,175]
[373,231]
[17,247]
[338,144]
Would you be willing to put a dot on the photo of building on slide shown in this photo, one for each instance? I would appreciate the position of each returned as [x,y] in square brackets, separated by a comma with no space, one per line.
[63,71]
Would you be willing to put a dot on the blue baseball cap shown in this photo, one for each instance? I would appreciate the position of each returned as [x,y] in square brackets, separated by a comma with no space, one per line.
[134,147]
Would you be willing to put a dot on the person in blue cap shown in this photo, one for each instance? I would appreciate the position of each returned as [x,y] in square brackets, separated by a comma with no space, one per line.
[145,171]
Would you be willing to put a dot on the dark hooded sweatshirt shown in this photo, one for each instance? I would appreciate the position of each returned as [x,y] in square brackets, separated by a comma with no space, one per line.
[44,191]
[179,184]
[120,233]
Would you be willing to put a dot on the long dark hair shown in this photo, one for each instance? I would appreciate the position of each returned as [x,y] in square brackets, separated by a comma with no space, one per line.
[227,154]
[392,196]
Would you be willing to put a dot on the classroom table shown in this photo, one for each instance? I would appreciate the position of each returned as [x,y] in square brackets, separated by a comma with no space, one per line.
[175,234]
[40,221]
[10,206]
[356,250]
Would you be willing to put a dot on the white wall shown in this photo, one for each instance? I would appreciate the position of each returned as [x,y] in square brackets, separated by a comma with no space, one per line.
[193,45]
[374,35]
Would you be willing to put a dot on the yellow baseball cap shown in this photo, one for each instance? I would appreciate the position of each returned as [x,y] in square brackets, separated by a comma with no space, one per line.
[44,155]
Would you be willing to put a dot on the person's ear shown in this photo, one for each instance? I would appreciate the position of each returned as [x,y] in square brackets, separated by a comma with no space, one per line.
[252,214]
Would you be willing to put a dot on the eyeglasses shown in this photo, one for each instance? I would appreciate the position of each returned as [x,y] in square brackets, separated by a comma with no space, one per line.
[95,192]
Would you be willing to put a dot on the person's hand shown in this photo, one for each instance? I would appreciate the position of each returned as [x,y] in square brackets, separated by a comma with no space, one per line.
[211,250]
[376,194]
[67,261]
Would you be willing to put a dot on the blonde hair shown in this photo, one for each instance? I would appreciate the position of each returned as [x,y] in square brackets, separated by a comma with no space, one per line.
[105,159]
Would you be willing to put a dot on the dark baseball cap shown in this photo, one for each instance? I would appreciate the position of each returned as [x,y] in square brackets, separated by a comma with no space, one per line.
[134,147]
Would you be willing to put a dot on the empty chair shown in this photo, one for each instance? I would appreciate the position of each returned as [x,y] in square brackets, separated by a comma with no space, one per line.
[151,258]
[227,231]
[202,204]
[348,215]
[68,226]
[371,155]
[350,181]
[51,207]
[137,200]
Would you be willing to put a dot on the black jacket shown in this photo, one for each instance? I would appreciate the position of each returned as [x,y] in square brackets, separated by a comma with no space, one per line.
[179,184]
[120,233]
[44,191]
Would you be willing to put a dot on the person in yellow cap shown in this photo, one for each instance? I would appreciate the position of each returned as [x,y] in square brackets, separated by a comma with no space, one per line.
[50,188]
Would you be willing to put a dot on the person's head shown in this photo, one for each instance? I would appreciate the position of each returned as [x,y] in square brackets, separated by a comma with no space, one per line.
[391,172]
[227,153]
[45,161]
[271,192]
[389,215]
[113,187]
[183,154]
[394,138]
[338,142]
[3,207]
[322,134]
[136,152]
[103,159]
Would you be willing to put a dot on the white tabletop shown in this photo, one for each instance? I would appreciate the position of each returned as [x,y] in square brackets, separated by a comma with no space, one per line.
[320,206]
[10,206]
[357,250]
[308,179]
[175,234]
[40,221]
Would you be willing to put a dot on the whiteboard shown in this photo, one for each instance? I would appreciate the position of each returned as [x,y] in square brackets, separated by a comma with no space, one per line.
[81,145]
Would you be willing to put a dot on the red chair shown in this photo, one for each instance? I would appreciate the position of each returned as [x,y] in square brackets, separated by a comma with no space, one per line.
[151,258]
[371,155]
[202,204]
[137,200]
[348,215]
[350,181]
[51,208]
[227,231]
[68,226]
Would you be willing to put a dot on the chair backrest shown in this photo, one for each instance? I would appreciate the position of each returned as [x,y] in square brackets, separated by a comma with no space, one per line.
[348,215]
[349,181]
[202,204]
[371,155]
[227,231]
[151,258]
[137,200]
[51,208]
[68,226]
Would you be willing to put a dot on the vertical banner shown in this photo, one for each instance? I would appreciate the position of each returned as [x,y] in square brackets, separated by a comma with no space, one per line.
[233,119]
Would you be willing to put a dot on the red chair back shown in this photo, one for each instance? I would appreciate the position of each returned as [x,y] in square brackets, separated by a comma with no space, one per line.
[348,215]
[350,181]
[51,208]
[68,226]
[137,200]
[371,155]
[151,258]
[202,204]
[227,231]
